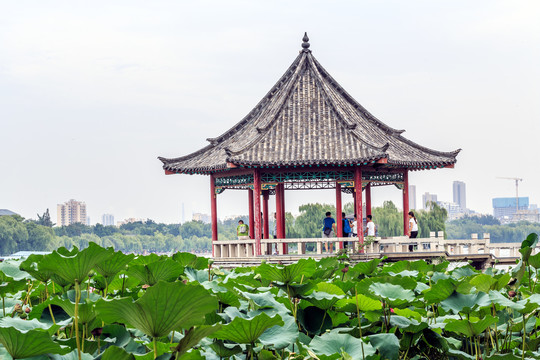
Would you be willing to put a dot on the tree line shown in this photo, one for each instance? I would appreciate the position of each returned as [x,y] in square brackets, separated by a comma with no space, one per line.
[17,233]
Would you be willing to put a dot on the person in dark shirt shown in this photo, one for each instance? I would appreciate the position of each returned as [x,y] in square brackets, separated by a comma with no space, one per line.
[329,226]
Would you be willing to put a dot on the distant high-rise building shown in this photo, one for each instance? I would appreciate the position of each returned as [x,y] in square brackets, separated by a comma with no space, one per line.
[412,196]
[107,220]
[428,198]
[71,212]
[506,207]
[460,197]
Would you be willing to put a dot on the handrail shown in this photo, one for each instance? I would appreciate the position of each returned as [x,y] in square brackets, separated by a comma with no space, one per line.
[397,244]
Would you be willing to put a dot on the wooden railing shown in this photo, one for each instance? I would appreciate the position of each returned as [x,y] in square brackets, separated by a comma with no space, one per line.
[398,244]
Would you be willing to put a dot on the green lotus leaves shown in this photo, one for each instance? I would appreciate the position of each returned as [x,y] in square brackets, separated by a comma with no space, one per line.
[74,266]
[192,337]
[288,274]
[439,291]
[368,267]
[393,294]
[86,305]
[163,308]
[117,353]
[325,296]
[365,303]
[469,328]
[386,344]
[22,344]
[114,264]
[309,309]
[190,260]
[244,331]
[150,274]
[465,303]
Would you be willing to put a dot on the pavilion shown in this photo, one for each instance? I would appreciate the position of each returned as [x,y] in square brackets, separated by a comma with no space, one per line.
[307,133]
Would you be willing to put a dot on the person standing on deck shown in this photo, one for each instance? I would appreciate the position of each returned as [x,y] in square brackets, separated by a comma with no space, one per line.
[329,226]
[242,230]
[371,228]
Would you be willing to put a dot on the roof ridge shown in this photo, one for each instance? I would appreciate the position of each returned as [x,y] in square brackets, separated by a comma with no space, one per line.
[348,125]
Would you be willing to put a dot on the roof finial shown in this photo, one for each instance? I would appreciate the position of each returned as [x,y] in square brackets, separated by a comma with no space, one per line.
[305,44]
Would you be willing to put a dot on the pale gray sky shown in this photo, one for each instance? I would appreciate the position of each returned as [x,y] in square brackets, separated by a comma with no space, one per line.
[92,92]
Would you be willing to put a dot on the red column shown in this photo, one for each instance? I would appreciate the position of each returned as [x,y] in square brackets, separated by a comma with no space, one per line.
[284,217]
[257,210]
[358,194]
[283,213]
[368,199]
[279,215]
[265,215]
[339,210]
[251,216]
[213,210]
[405,202]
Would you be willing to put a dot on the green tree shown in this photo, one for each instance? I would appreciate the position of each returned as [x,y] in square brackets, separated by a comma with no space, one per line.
[309,223]
[45,219]
[388,219]
[12,233]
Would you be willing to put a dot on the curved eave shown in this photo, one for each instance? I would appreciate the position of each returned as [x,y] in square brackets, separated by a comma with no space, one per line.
[171,169]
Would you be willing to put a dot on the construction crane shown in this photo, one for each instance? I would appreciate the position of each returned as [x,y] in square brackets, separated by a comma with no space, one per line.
[517,180]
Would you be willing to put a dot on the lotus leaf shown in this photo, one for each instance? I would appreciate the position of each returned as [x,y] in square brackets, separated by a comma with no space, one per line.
[279,337]
[86,305]
[439,291]
[190,260]
[114,264]
[288,274]
[386,344]
[408,325]
[116,353]
[469,328]
[150,274]
[73,356]
[336,343]
[395,295]
[365,303]
[222,350]
[367,268]
[483,282]
[192,337]
[245,331]
[465,303]
[74,267]
[25,344]
[31,266]
[326,295]
[163,308]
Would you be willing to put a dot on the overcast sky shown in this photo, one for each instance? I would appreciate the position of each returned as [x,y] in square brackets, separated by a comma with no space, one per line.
[91,95]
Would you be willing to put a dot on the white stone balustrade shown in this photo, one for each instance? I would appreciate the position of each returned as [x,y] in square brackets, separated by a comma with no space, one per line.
[398,244]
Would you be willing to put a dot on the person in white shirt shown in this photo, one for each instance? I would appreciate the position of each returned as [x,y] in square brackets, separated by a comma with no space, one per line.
[370,227]
[413,229]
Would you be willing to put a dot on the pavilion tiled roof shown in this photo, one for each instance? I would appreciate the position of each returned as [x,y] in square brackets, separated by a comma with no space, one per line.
[306,119]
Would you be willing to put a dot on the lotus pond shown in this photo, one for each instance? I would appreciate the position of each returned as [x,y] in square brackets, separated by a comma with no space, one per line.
[100,304]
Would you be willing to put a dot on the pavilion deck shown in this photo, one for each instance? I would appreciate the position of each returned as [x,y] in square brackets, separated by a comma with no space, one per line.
[482,252]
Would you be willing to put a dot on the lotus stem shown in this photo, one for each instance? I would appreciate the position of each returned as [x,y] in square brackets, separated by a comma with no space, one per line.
[359,322]
[524,337]
[76,317]
[4,306]
[172,336]
[155,347]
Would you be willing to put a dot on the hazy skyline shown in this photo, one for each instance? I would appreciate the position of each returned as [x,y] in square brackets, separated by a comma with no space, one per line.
[91,95]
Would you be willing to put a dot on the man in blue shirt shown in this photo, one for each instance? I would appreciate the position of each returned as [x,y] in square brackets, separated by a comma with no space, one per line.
[328,229]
